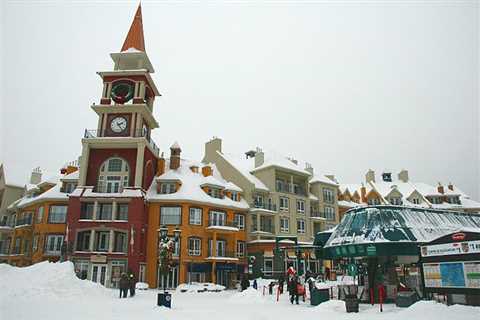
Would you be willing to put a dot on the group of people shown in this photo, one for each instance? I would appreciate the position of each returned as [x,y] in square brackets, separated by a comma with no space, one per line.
[126,283]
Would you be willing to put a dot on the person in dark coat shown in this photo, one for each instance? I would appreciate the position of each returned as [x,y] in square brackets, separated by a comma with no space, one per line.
[132,282]
[292,289]
[281,282]
[255,285]
[123,284]
[244,283]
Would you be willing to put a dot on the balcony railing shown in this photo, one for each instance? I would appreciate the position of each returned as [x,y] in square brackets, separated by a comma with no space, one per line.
[265,206]
[223,254]
[91,134]
[221,223]
[264,228]
[27,221]
[290,188]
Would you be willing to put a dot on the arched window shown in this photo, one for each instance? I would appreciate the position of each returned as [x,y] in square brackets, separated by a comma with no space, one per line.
[114,174]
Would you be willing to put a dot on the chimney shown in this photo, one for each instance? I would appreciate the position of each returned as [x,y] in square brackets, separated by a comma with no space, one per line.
[363,193]
[161,165]
[403,175]
[440,188]
[175,156]
[36,176]
[450,186]
[207,171]
[370,176]
[211,148]
[259,158]
[309,168]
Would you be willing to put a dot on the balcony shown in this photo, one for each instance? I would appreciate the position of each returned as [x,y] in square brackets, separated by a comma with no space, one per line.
[223,255]
[221,225]
[264,206]
[4,248]
[27,221]
[265,228]
[93,134]
[290,188]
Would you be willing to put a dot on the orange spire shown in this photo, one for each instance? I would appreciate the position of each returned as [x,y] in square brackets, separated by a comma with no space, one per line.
[135,34]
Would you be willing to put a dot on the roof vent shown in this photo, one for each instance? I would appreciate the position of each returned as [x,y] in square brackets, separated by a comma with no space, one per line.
[250,154]
[387,176]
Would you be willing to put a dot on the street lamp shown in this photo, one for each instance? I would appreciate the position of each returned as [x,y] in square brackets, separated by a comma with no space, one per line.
[166,247]
[163,232]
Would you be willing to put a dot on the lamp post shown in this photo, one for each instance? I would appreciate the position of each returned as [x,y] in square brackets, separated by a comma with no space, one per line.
[166,247]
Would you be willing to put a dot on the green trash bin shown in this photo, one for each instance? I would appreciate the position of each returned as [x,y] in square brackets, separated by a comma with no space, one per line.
[318,296]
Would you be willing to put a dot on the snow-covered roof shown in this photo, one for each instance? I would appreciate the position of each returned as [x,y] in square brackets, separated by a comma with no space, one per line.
[311,196]
[53,193]
[380,224]
[190,189]
[87,192]
[323,179]
[349,204]
[272,159]
[244,166]
[71,176]
[232,187]
[13,174]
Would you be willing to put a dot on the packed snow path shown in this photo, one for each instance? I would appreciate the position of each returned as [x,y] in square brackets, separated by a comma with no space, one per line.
[51,291]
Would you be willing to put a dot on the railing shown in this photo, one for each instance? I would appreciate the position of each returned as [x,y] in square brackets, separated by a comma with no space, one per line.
[91,134]
[24,221]
[290,188]
[223,254]
[221,223]
[265,206]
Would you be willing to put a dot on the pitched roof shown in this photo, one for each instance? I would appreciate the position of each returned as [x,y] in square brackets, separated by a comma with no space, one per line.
[135,37]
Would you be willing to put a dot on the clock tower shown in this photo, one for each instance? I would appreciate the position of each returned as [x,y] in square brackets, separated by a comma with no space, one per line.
[125,119]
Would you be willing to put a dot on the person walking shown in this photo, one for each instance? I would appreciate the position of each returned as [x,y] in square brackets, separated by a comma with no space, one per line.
[292,289]
[123,284]
[281,282]
[255,285]
[132,283]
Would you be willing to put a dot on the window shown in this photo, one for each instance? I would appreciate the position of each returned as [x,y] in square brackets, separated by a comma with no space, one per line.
[176,248]
[102,239]
[416,201]
[284,224]
[68,187]
[239,221]
[40,214]
[215,193]
[254,222]
[83,241]
[219,249]
[267,266]
[104,211]
[283,203]
[57,214]
[167,187]
[216,218]
[240,249]
[122,212]
[258,200]
[26,248]
[16,248]
[35,243]
[396,201]
[373,201]
[120,242]
[81,269]
[86,211]
[328,195]
[53,245]
[329,213]
[301,226]
[170,215]
[234,196]
[195,216]
[194,246]
[114,174]
[279,185]
[300,206]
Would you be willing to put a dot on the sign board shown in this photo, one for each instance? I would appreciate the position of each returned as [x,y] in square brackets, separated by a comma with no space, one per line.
[459,274]
[98,258]
[466,247]
[371,250]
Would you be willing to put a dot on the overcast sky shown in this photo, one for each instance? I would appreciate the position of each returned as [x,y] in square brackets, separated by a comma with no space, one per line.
[345,85]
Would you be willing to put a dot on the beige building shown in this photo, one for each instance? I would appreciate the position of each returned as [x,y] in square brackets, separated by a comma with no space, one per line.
[10,191]
[285,198]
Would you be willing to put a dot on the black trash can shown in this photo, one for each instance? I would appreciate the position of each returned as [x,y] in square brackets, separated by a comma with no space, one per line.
[318,296]
[406,299]
[351,303]
[164,299]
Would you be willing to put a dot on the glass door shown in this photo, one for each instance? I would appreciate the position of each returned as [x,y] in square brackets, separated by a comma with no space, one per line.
[99,273]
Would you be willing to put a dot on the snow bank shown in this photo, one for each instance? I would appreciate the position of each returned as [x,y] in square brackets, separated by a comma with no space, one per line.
[48,280]
[247,296]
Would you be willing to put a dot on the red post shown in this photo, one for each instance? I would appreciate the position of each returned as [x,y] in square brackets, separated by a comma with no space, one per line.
[371,296]
[380,296]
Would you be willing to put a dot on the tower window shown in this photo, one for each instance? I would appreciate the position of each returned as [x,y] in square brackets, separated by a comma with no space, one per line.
[114,174]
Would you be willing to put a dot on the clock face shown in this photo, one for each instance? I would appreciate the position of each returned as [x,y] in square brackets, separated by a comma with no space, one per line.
[118,124]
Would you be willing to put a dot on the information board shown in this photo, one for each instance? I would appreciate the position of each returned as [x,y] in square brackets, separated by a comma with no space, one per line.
[460,274]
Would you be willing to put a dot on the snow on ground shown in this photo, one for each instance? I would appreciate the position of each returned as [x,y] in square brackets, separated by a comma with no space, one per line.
[51,291]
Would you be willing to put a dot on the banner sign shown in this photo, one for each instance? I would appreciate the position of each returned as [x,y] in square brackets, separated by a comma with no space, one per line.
[444,249]
[461,274]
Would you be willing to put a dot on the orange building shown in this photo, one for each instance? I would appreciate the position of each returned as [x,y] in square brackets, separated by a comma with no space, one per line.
[210,214]
[39,218]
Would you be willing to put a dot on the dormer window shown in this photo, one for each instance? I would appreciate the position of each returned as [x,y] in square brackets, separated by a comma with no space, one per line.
[168,187]
[416,201]
[454,200]
[215,193]
[235,196]
[114,174]
[68,187]
[396,201]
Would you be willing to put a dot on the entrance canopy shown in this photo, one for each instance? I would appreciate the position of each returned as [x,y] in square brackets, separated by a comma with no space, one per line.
[393,230]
